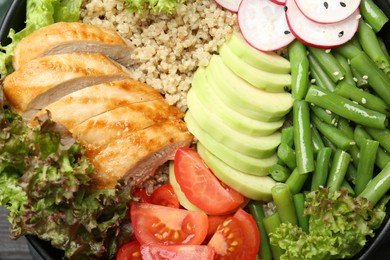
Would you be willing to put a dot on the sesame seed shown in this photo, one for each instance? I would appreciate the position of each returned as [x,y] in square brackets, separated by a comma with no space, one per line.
[365,77]
[328,111]
[364,101]
[336,73]
[355,79]
[327,50]
[313,81]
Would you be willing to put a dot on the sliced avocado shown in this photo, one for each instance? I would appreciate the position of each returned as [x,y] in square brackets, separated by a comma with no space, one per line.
[267,81]
[242,96]
[239,161]
[206,95]
[266,61]
[255,146]
[251,186]
[176,188]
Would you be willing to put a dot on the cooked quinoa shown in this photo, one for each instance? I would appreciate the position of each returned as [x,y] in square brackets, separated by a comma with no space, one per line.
[169,47]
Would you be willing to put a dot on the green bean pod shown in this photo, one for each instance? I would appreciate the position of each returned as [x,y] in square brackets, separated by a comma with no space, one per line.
[299,204]
[322,79]
[348,76]
[338,170]
[325,115]
[287,136]
[348,50]
[346,108]
[380,135]
[296,181]
[378,186]
[302,137]
[271,223]
[279,173]
[287,155]
[374,16]
[365,170]
[317,141]
[299,69]
[320,174]
[283,200]
[328,63]
[257,212]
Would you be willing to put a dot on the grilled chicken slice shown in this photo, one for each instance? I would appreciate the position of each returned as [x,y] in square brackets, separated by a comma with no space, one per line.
[135,157]
[79,106]
[117,123]
[72,37]
[45,80]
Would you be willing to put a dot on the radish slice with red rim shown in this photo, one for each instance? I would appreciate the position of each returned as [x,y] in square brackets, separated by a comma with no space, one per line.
[317,34]
[231,5]
[263,24]
[279,2]
[327,11]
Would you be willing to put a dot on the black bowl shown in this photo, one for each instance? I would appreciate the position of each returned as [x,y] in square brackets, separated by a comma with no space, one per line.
[377,248]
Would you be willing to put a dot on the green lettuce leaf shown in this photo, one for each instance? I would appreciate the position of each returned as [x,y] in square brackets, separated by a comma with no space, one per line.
[339,226]
[167,6]
[39,13]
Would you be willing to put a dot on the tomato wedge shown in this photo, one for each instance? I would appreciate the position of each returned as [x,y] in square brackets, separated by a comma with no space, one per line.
[140,195]
[165,196]
[130,251]
[214,222]
[184,252]
[236,238]
[167,226]
[201,186]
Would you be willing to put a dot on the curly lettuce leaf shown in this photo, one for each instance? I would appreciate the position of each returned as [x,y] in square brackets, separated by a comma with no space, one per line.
[39,13]
[339,226]
[166,6]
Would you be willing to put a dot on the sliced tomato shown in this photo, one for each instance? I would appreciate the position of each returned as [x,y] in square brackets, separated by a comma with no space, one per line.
[237,238]
[214,222]
[165,196]
[177,252]
[140,195]
[201,186]
[168,226]
[130,251]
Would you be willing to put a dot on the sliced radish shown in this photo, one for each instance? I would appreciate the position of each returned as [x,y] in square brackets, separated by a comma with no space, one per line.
[231,5]
[279,2]
[317,34]
[263,24]
[327,11]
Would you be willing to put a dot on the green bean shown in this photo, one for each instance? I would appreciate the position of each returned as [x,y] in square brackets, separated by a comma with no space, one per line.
[360,81]
[282,198]
[371,46]
[316,140]
[377,79]
[348,186]
[346,108]
[279,173]
[296,181]
[299,69]
[287,155]
[374,16]
[355,154]
[378,186]
[299,204]
[384,48]
[345,127]
[328,63]
[365,170]
[382,157]
[322,79]
[325,115]
[257,212]
[362,97]
[356,43]
[288,136]
[302,137]
[320,174]
[351,173]
[338,170]
[348,50]
[271,223]
[336,136]
[329,144]
[348,76]
[380,135]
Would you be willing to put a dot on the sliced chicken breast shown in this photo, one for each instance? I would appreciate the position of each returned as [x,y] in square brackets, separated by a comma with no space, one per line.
[116,124]
[79,106]
[72,37]
[135,157]
[42,81]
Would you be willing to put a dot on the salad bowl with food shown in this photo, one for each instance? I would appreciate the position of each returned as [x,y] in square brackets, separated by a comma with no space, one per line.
[196,129]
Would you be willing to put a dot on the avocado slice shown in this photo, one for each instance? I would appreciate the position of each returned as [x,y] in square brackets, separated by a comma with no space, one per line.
[242,96]
[255,146]
[239,161]
[251,186]
[207,96]
[267,81]
[266,61]
[176,188]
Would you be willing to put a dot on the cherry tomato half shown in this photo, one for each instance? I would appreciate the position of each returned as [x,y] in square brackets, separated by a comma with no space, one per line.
[165,196]
[201,186]
[236,238]
[167,226]
[177,252]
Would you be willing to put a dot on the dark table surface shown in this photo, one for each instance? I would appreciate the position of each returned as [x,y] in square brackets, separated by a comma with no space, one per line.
[18,249]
